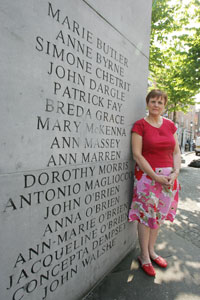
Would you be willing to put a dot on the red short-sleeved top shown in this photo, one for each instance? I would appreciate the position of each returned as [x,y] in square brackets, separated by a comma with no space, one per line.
[157,143]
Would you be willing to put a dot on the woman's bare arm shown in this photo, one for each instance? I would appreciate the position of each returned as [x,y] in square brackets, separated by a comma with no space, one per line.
[176,160]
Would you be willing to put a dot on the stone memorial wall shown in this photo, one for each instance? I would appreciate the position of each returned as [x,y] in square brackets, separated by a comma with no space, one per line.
[73,81]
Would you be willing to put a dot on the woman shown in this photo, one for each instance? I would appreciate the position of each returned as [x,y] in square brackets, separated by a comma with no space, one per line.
[158,160]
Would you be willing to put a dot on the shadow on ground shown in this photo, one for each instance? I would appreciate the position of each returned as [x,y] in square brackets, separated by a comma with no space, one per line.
[187,225]
[189,179]
[180,281]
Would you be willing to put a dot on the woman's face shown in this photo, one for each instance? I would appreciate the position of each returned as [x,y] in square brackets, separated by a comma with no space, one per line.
[156,106]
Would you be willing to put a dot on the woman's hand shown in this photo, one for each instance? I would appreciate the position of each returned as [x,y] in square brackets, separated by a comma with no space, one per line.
[162,179]
[172,178]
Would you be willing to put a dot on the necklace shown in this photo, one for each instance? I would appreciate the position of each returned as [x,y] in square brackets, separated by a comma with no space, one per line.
[155,124]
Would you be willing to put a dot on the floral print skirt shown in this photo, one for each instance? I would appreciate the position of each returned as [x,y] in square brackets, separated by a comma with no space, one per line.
[152,202]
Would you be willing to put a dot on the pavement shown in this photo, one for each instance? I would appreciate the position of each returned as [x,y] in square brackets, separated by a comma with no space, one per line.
[178,242]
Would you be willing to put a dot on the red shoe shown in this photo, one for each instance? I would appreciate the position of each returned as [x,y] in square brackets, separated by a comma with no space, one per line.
[160,261]
[147,268]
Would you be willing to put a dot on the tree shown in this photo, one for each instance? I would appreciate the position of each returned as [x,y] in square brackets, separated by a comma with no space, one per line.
[175,53]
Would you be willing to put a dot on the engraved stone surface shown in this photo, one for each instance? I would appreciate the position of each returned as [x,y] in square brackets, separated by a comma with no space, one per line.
[130,18]
[73,83]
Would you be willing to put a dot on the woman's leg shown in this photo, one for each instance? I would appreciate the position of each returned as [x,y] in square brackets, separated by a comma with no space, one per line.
[152,240]
[143,236]
[156,258]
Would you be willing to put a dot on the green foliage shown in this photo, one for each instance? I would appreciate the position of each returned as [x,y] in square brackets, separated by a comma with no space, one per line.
[175,51]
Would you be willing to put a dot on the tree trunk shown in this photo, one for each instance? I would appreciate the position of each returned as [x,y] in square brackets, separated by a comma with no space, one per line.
[174,116]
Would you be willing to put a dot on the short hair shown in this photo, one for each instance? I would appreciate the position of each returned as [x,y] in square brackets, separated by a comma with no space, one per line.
[156,93]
